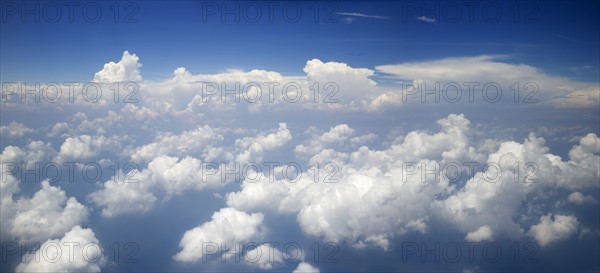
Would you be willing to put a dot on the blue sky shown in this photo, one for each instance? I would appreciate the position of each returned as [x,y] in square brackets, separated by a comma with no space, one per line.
[563,30]
[408,90]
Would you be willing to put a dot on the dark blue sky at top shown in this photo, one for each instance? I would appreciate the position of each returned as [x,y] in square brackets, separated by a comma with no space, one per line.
[559,37]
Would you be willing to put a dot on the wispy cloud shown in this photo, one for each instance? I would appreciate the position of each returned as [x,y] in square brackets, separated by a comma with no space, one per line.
[356,14]
[427,19]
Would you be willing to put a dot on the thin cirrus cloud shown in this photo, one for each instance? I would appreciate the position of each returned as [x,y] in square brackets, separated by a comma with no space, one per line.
[362,15]
[427,19]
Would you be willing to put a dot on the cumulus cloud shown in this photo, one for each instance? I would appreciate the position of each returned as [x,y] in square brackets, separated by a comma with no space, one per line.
[199,140]
[490,197]
[82,147]
[305,268]
[331,210]
[264,256]
[579,198]
[15,129]
[353,84]
[252,148]
[34,152]
[227,226]
[553,228]
[77,251]
[127,69]
[125,193]
[483,233]
[47,214]
[341,137]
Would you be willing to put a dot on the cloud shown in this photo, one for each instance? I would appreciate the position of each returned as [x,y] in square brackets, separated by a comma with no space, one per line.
[264,256]
[227,226]
[553,228]
[85,147]
[125,193]
[47,214]
[127,69]
[578,198]
[426,19]
[77,251]
[252,148]
[352,83]
[355,209]
[483,233]
[358,209]
[15,129]
[305,268]
[362,15]
[340,137]
[199,140]
[560,91]
[34,152]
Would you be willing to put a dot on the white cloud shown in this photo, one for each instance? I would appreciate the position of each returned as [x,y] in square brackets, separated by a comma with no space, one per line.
[483,233]
[58,128]
[125,193]
[175,177]
[426,19]
[341,137]
[47,214]
[82,147]
[199,140]
[353,84]
[127,69]
[553,228]
[34,152]
[253,148]
[264,256]
[357,14]
[15,129]
[228,226]
[358,208]
[370,181]
[77,251]
[305,268]
[560,91]
[579,198]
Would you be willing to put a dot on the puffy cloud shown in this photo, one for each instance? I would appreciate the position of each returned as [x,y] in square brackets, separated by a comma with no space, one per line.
[127,69]
[15,129]
[496,196]
[252,148]
[34,152]
[125,193]
[358,209]
[77,251]
[264,256]
[58,128]
[198,140]
[81,147]
[228,226]
[305,268]
[353,83]
[483,233]
[47,214]
[553,228]
[85,147]
[341,137]
[579,198]
[175,177]
[363,206]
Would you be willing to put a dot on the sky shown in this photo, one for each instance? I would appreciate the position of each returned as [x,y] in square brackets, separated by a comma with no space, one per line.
[302,136]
